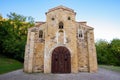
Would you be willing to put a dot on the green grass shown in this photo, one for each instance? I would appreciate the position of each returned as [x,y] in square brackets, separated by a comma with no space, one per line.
[113,68]
[7,64]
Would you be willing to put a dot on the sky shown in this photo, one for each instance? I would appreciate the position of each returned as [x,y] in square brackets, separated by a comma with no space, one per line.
[102,15]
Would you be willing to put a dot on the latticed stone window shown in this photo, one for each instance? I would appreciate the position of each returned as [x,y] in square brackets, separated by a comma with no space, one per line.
[80,34]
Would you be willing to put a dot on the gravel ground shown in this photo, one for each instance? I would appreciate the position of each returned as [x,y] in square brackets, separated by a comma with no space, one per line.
[102,74]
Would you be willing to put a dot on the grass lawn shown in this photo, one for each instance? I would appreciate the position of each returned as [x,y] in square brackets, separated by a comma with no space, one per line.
[7,64]
[113,68]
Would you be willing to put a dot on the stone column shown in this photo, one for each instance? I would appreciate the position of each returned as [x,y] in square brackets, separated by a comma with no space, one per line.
[91,51]
[74,63]
[46,61]
[27,47]
[95,65]
[28,64]
[30,60]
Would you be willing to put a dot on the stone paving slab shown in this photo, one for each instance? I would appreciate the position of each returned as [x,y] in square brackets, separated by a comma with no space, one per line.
[102,74]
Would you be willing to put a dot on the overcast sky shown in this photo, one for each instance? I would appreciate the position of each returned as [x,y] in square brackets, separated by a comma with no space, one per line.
[103,15]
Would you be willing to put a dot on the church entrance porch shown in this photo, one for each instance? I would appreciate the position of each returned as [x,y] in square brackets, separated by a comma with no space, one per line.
[61,60]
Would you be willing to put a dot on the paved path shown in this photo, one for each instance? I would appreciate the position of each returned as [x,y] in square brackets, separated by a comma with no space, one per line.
[102,74]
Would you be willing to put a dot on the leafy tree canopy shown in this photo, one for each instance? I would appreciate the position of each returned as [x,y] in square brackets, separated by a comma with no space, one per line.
[13,35]
[108,52]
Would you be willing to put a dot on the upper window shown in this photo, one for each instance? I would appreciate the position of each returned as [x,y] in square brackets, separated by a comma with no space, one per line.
[61,25]
[53,19]
[69,18]
[40,34]
[80,34]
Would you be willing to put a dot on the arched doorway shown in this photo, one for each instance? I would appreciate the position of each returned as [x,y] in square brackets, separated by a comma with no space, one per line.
[61,60]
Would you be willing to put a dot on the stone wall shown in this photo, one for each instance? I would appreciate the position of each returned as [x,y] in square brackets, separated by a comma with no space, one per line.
[82,48]
[38,50]
[91,51]
[52,37]
[29,52]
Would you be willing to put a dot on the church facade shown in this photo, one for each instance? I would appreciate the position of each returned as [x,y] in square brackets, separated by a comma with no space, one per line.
[60,45]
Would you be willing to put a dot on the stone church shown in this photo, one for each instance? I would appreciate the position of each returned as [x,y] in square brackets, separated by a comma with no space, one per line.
[60,45]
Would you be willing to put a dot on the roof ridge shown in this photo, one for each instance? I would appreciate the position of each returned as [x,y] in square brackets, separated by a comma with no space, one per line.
[61,7]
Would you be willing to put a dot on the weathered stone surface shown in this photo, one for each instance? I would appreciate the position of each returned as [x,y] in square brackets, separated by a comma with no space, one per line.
[77,37]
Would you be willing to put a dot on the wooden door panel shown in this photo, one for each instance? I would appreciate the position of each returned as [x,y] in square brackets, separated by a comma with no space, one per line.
[61,60]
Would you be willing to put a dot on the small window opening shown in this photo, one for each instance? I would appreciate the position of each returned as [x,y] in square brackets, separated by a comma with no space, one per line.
[53,19]
[69,18]
[61,25]
[40,34]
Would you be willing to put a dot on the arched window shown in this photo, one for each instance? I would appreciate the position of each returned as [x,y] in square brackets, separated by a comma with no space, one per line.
[40,34]
[80,34]
[61,25]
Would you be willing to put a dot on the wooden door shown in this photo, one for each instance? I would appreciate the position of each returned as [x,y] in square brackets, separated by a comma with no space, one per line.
[61,60]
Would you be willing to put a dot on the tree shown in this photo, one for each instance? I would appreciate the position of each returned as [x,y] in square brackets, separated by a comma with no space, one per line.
[13,35]
[115,49]
[108,52]
[1,17]
[102,51]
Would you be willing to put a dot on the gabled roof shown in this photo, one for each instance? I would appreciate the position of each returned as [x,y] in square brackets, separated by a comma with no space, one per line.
[37,24]
[85,23]
[61,7]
